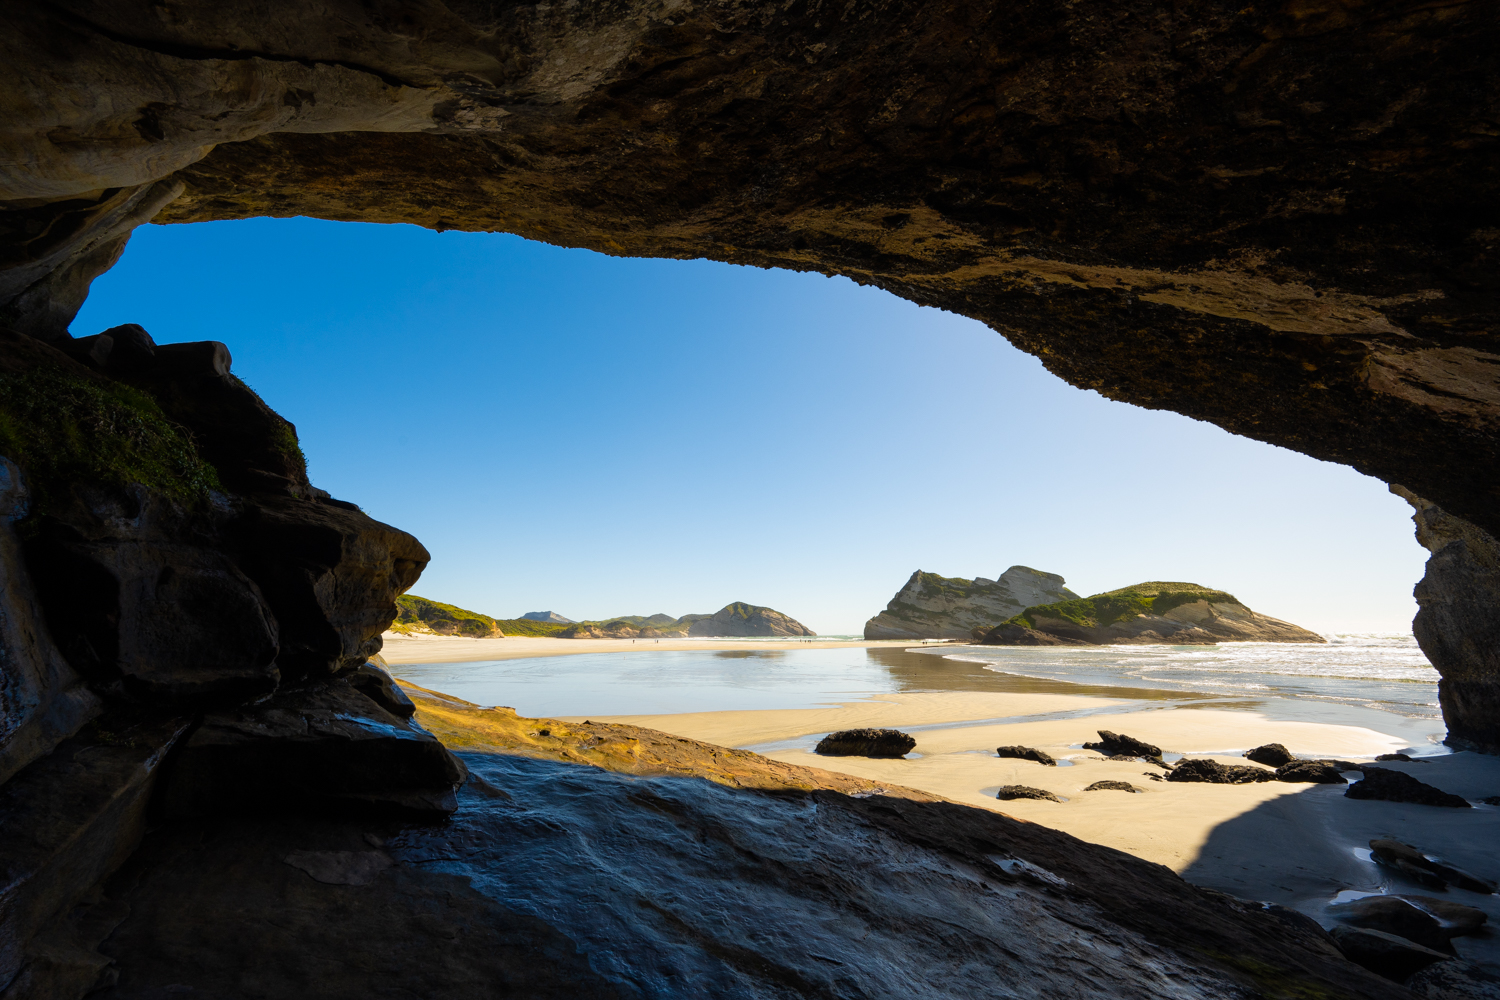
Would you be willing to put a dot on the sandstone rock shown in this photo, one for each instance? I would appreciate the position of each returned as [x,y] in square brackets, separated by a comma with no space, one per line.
[42,699]
[929,606]
[1453,980]
[1310,771]
[1117,745]
[70,818]
[1026,753]
[740,619]
[1384,954]
[1394,915]
[1202,769]
[1456,625]
[1111,786]
[1010,792]
[866,743]
[1396,786]
[1408,860]
[322,747]
[1020,635]
[1271,755]
[374,682]
[331,575]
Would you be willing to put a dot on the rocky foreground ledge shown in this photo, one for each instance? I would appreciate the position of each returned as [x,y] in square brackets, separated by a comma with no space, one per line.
[597,860]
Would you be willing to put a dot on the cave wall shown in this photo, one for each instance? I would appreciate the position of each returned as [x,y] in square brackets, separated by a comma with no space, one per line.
[1281,219]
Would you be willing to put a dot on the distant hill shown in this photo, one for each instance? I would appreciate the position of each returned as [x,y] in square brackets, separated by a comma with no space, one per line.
[421,615]
[1152,612]
[546,616]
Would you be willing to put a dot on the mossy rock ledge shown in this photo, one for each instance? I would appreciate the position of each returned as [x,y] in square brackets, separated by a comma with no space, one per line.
[1145,613]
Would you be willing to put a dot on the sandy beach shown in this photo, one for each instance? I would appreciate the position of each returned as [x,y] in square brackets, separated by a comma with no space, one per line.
[1295,844]
[453,649]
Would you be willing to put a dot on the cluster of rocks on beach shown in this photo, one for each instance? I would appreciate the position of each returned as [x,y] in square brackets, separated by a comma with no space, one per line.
[1404,937]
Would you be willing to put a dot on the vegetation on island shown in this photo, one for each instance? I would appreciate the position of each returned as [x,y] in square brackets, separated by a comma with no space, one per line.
[1103,610]
[420,614]
[64,427]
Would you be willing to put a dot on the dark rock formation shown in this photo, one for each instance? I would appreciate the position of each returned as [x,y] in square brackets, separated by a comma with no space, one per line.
[1111,786]
[1310,771]
[930,606]
[1396,786]
[1026,753]
[1385,954]
[1271,755]
[1009,792]
[1395,915]
[322,746]
[741,619]
[1202,769]
[1457,625]
[866,743]
[1453,980]
[1118,745]
[1414,864]
[1011,634]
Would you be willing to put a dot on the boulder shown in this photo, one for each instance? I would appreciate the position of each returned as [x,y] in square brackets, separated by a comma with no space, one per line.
[1117,745]
[374,682]
[1384,954]
[1454,980]
[1271,755]
[322,746]
[1387,785]
[1211,771]
[1410,861]
[1009,792]
[1111,786]
[1456,919]
[1026,753]
[1394,915]
[1310,771]
[1405,758]
[866,743]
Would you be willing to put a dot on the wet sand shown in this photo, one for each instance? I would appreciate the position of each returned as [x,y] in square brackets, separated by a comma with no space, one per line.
[452,649]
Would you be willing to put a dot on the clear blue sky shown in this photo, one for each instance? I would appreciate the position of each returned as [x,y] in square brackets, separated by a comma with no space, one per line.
[600,436]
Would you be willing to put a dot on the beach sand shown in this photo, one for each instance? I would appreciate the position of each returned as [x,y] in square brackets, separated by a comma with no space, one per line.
[456,649]
[1295,844]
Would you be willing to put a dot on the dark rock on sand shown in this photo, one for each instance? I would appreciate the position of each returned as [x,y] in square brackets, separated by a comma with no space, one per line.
[1396,786]
[1111,786]
[1409,860]
[1311,771]
[866,743]
[1011,634]
[1395,915]
[1009,792]
[1456,919]
[1118,745]
[1211,771]
[1385,954]
[1454,980]
[1026,753]
[1406,758]
[1271,755]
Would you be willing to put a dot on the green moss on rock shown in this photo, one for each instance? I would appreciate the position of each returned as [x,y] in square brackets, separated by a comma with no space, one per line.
[64,427]
[1103,610]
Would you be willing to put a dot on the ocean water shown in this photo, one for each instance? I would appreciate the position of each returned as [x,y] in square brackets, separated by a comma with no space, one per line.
[1381,681]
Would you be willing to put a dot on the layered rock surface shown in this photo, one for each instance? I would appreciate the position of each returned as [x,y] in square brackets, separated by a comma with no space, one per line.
[940,607]
[579,859]
[1176,613]
[741,619]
